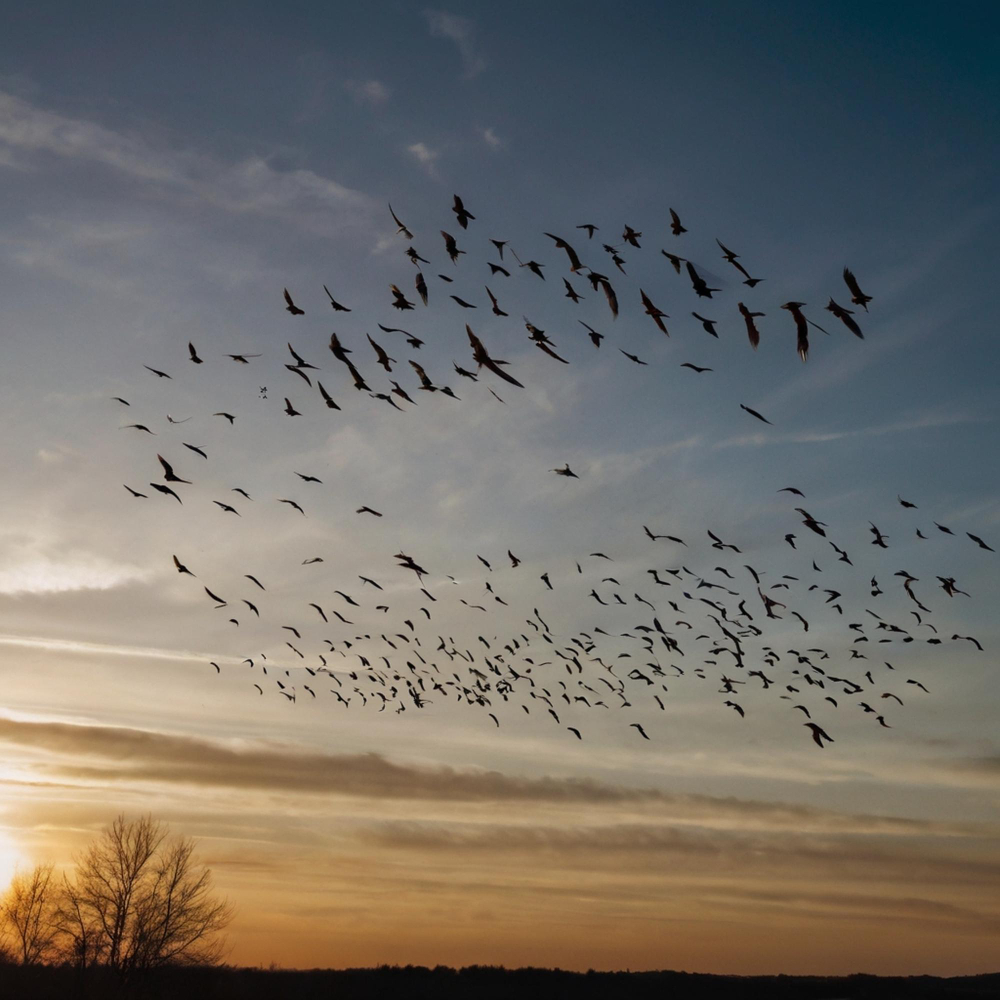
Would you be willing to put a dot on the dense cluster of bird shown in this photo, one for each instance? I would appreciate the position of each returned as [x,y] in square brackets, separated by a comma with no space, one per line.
[662,626]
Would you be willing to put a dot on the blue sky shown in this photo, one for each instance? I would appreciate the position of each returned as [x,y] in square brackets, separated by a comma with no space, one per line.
[169,170]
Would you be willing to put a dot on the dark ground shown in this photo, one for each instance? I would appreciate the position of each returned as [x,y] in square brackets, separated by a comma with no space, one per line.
[483,983]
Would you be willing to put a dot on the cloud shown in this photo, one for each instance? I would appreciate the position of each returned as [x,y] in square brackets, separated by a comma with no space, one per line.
[39,574]
[249,185]
[80,647]
[984,769]
[460,30]
[372,92]
[422,153]
[492,139]
[917,422]
[425,156]
[139,754]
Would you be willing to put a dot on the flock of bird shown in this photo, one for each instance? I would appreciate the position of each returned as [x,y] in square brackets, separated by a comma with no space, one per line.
[657,627]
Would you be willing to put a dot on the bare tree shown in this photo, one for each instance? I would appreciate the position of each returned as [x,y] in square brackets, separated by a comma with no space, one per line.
[28,914]
[139,902]
[79,930]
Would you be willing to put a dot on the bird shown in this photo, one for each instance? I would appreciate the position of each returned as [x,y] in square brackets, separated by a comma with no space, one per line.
[136,493]
[300,362]
[290,410]
[401,230]
[818,734]
[732,258]
[811,523]
[215,597]
[675,223]
[367,510]
[801,327]
[181,568]
[451,246]
[846,316]
[462,213]
[168,472]
[157,372]
[641,731]
[858,297]
[242,358]
[698,283]
[980,542]
[383,359]
[632,357]
[652,311]
[335,305]
[481,356]
[574,259]
[565,471]
[752,332]
[754,413]
[167,490]
[707,324]
[497,311]
[595,337]
[194,354]
[328,399]
[291,306]
[695,368]
[399,300]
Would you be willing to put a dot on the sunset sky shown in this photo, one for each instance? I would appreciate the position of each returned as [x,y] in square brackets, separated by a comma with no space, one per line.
[168,169]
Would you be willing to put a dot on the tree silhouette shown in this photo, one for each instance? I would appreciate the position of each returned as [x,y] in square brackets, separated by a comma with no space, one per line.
[27,915]
[138,901]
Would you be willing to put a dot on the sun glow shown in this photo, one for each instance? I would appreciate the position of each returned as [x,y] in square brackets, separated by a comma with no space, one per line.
[11,859]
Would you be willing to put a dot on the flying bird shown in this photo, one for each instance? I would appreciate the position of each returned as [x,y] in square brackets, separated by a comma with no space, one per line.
[401,230]
[858,297]
[291,306]
[462,213]
[336,306]
[754,413]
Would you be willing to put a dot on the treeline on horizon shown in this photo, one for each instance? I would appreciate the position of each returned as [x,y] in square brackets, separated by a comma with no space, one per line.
[479,981]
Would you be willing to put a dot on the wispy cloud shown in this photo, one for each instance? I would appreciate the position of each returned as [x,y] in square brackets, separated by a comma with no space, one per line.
[371,92]
[916,422]
[40,574]
[81,647]
[492,139]
[425,156]
[460,30]
[273,766]
[250,185]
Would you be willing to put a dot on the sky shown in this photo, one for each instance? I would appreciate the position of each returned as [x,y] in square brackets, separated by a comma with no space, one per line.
[169,169]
